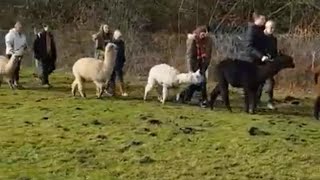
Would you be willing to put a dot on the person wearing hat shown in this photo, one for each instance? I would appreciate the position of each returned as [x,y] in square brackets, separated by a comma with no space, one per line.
[45,53]
[16,42]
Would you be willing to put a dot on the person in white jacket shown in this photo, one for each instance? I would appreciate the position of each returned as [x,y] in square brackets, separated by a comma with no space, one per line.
[15,41]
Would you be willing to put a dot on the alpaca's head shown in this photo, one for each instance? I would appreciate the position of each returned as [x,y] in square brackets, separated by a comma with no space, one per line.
[196,77]
[284,61]
[110,51]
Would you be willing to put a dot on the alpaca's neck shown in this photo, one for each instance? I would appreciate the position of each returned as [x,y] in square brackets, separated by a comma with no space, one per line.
[268,70]
[108,60]
[183,78]
[10,65]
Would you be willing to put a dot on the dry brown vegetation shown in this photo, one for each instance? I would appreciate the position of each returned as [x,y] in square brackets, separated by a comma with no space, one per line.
[155,31]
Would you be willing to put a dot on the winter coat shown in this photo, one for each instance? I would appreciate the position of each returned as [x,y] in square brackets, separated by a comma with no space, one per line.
[15,41]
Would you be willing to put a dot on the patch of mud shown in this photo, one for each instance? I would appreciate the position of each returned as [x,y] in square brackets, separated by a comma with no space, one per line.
[129,145]
[146,160]
[295,139]
[154,122]
[254,131]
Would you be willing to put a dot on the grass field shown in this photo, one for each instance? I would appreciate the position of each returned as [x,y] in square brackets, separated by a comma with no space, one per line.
[47,134]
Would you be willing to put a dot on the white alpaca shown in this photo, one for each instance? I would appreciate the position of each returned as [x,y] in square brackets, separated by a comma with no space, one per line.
[97,71]
[169,77]
[8,66]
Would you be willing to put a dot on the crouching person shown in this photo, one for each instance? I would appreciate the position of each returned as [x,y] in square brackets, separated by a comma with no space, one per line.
[272,51]
[16,41]
[198,56]
[118,68]
[45,53]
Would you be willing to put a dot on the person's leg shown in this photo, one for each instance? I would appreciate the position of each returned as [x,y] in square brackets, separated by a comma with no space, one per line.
[203,86]
[45,73]
[269,90]
[111,84]
[119,74]
[16,74]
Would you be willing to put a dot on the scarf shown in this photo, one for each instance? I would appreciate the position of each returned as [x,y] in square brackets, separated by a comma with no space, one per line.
[201,48]
[48,43]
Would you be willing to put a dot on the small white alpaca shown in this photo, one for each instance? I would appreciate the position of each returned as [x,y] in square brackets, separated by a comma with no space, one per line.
[95,70]
[8,66]
[169,77]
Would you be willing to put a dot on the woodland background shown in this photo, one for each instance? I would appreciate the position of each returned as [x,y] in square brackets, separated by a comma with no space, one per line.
[155,30]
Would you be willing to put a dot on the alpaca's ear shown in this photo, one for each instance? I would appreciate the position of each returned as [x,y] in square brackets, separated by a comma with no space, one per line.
[280,52]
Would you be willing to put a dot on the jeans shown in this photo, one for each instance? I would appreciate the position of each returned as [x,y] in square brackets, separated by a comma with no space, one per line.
[269,86]
[189,91]
[117,73]
[45,68]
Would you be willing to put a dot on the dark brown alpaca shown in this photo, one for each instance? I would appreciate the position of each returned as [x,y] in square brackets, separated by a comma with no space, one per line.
[246,75]
[316,72]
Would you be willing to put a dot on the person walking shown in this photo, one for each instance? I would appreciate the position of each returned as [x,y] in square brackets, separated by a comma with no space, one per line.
[44,49]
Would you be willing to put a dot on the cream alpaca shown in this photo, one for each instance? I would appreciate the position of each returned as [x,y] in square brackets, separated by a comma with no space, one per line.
[97,71]
[168,77]
[7,68]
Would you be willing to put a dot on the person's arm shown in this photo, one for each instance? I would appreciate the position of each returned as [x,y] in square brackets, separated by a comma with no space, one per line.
[209,52]
[9,40]
[190,45]
[53,48]
[250,39]
[25,44]
[124,53]
[36,47]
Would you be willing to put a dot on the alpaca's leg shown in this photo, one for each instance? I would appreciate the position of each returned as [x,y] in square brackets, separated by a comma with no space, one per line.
[99,89]
[10,83]
[146,91]
[80,88]
[213,96]
[73,87]
[224,90]
[1,79]
[159,91]
[316,110]
[246,100]
[252,100]
[164,93]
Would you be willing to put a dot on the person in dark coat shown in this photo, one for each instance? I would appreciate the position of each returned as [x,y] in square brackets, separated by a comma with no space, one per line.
[198,55]
[271,49]
[45,53]
[118,68]
[254,41]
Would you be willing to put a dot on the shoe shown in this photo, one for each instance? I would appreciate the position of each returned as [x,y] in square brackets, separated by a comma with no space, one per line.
[46,86]
[204,104]
[271,106]
[124,94]
[108,94]
[18,86]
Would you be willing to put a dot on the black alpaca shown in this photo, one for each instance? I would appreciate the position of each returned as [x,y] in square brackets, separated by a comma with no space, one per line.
[246,75]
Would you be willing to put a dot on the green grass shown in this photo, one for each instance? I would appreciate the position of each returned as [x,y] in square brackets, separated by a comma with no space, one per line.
[47,134]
